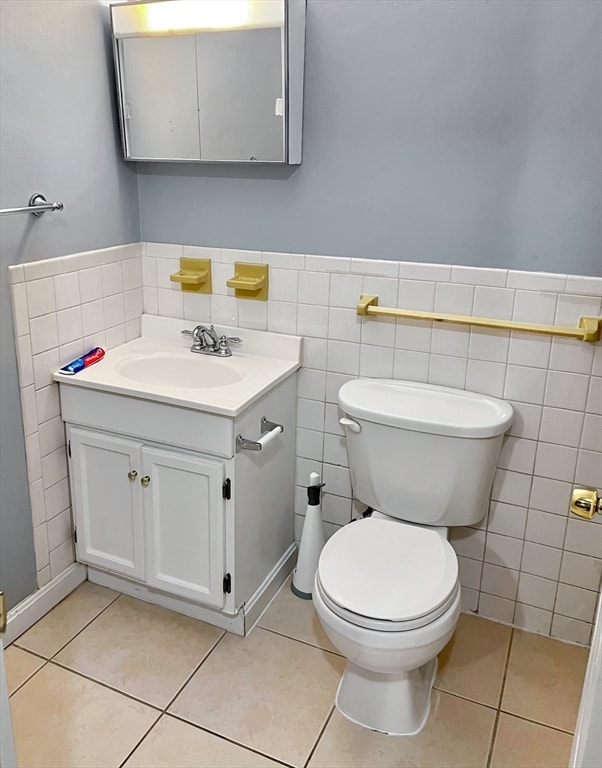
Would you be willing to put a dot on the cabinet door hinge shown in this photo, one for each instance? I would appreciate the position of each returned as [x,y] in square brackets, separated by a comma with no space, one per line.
[228,583]
[69,448]
[75,535]
[227,489]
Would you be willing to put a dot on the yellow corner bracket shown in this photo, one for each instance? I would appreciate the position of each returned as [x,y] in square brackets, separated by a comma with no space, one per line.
[194,275]
[250,281]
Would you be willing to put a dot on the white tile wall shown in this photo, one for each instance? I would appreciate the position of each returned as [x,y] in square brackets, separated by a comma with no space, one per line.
[527,563]
[62,307]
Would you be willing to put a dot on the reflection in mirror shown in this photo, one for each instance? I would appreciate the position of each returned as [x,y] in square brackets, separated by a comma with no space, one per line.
[210,80]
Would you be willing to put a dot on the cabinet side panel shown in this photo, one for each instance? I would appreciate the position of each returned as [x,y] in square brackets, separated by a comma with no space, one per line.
[264,491]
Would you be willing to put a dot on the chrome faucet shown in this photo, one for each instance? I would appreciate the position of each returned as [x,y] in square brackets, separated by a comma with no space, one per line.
[205,341]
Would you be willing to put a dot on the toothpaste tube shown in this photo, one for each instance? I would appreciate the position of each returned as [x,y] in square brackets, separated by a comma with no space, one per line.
[91,357]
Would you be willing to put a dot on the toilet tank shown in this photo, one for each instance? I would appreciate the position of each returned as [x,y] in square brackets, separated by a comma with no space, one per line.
[422,453]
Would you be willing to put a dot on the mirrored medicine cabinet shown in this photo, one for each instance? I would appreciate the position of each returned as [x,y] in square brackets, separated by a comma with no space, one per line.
[218,81]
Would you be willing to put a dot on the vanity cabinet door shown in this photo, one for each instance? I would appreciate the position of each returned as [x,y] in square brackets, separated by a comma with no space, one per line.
[184,516]
[107,504]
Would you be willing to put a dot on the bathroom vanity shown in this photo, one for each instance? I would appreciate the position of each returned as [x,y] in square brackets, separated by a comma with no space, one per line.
[181,468]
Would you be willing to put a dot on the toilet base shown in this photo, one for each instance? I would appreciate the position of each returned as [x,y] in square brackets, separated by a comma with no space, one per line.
[395,704]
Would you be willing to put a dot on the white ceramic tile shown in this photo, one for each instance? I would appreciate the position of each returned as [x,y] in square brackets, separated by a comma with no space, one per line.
[327,263]
[550,495]
[511,487]
[571,308]
[594,397]
[69,325]
[314,353]
[38,502]
[164,250]
[283,284]
[36,270]
[469,600]
[343,357]
[379,331]
[447,371]
[66,290]
[201,252]
[581,571]
[93,317]
[253,314]
[479,276]
[132,274]
[132,304]
[335,450]
[517,454]
[90,284]
[414,335]
[303,469]
[314,288]
[310,444]
[336,509]
[502,582]
[43,332]
[584,285]
[284,260]
[376,362]
[450,340]
[536,281]
[591,438]
[561,426]
[539,560]
[44,365]
[576,603]
[493,302]
[534,307]
[61,558]
[468,542]
[51,435]
[496,608]
[546,528]
[171,303]
[345,325]
[220,274]
[71,351]
[345,290]
[43,577]
[589,469]
[197,306]
[150,301]
[470,572]
[332,414]
[311,384]
[572,356]
[507,519]
[526,420]
[310,413]
[29,410]
[485,378]
[59,529]
[570,630]
[40,297]
[454,299]
[555,461]
[40,543]
[489,345]
[20,312]
[114,310]
[503,551]
[115,336]
[54,467]
[383,287]
[411,270]
[375,267]
[334,381]
[149,272]
[532,619]
[312,321]
[108,255]
[56,498]
[597,365]
[165,268]
[411,366]
[414,294]
[337,480]
[525,384]
[282,317]
[530,350]
[536,591]
[112,279]
[16,274]
[583,537]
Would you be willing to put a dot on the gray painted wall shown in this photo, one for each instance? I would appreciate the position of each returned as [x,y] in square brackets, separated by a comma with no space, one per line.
[450,131]
[58,135]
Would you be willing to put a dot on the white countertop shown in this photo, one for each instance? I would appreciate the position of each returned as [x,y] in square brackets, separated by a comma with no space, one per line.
[263,360]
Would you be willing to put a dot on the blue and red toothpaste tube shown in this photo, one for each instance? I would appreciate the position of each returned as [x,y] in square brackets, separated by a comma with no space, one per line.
[91,357]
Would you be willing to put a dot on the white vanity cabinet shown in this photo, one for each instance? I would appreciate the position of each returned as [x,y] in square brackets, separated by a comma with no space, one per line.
[151,514]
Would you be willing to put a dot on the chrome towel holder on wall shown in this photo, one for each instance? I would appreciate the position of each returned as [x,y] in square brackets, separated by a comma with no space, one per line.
[38,205]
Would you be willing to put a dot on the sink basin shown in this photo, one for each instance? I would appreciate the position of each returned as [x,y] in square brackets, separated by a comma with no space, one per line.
[197,371]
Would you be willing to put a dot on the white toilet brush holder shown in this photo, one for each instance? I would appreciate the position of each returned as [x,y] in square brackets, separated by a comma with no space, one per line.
[312,541]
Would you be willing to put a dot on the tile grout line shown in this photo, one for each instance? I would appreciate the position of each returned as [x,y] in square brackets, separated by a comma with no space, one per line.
[27,679]
[319,738]
[194,671]
[304,642]
[498,709]
[138,743]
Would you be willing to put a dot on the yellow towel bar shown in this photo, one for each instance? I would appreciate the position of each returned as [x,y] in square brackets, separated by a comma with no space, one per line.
[588,330]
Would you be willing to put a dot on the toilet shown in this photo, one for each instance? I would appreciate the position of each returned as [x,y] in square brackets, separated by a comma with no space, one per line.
[422,458]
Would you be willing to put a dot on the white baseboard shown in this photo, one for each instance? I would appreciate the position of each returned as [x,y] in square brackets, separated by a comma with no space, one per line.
[258,602]
[28,611]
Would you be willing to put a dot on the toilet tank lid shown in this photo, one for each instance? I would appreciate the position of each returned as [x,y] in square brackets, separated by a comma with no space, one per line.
[425,407]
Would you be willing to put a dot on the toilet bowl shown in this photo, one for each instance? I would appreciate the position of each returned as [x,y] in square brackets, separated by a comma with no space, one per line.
[386,588]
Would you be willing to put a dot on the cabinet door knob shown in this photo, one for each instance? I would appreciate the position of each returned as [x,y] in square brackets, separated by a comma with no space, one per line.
[145,480]
[132,474]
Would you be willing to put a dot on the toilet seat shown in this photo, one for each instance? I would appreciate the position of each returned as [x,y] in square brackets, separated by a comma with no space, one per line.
[387,575]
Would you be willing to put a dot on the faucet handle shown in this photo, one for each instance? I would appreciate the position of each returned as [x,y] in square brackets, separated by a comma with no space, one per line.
[186,332]
[233,339]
